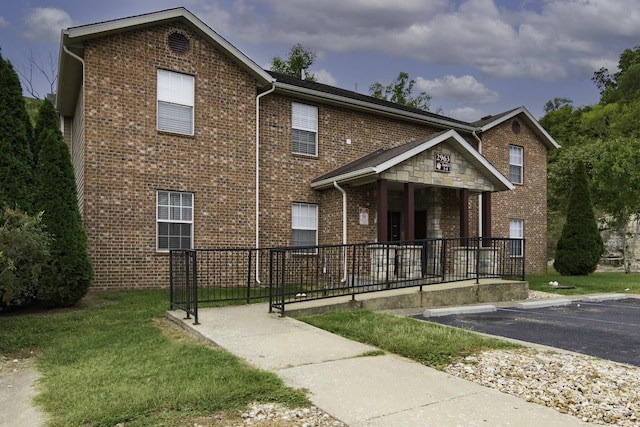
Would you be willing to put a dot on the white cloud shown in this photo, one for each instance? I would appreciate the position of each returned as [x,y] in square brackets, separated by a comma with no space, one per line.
[45,23]
[465,88]
[547,40]
[467,114]
[3,22]
[324,76]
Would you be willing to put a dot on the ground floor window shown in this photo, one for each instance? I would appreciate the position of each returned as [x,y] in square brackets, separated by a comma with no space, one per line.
[304,224]
[174,220]
[516,231]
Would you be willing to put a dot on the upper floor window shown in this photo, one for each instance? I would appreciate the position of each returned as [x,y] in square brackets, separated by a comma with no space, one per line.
[175,102]
[515,164]
[304,223]
[304,120]
[516,232]
[174,220]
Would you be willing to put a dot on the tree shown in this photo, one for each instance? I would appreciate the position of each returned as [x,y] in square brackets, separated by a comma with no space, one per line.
[16,134]
[617,187]
[37,66]
[624,83]
[68,274]
[400,91]
[297,64]
[580,245]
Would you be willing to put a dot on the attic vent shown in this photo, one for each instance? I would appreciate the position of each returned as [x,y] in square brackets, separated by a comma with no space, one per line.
[515,127]
[178,43]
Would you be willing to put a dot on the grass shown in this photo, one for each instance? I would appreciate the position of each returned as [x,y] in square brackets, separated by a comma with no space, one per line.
[109,364]
[601,282]
[428,343]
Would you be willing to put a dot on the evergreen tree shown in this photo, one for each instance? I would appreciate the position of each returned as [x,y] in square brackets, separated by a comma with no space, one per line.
[580,245]
[67,276]
[16,160]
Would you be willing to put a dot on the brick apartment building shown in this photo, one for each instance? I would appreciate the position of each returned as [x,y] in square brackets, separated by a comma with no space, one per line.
[179,140]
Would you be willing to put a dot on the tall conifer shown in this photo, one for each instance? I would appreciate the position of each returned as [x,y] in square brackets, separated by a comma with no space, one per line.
[16,159]
[68,275]
[580,245]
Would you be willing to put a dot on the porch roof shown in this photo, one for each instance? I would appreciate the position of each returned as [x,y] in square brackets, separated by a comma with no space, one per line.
[370,167]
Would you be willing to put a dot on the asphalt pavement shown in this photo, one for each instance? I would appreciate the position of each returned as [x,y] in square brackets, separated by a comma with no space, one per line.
[608,328]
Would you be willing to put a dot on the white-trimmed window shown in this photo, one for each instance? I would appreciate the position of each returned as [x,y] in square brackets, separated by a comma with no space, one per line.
[516,231]
[304,224]
[175,102]
[174,220]
[515,164]
[304,120]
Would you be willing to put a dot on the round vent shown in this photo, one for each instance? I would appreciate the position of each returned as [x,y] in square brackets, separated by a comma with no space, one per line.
[178,43]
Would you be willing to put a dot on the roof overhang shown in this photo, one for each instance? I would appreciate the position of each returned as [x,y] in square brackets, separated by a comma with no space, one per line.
[371,172]
[368,107]
[73,39]
[531,121]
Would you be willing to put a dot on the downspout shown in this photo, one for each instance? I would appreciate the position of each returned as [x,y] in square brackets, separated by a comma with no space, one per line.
[260,95]
[344,229]
[73,55]
[475,135]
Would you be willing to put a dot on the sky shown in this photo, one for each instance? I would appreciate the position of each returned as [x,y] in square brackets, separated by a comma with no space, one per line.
[473,57]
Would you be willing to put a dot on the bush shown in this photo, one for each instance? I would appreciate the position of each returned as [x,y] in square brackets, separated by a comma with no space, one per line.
[24,249]
[580,245]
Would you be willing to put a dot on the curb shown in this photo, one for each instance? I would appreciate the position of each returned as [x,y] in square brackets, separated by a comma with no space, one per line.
[471,309]
[544,303]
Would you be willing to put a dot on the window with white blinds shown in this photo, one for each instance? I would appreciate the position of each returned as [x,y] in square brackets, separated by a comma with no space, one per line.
[304,119]
[175,102]
[516,231]
[515,164]
[304,224]
[174,220]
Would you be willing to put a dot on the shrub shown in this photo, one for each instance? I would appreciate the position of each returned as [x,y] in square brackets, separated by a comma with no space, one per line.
[24,249]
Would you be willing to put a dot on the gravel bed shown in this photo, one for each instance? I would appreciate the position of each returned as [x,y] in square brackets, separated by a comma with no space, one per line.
[593,390]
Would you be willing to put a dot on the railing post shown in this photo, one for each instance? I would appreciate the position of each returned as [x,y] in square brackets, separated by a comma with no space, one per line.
[249,275]
[443,259]
[353,273]
[195,287]
[187,282]
[170,280]
[477,261]
[523,258]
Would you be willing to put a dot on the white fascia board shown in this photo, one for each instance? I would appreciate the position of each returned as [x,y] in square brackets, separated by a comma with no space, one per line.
[461,142]
[551,143]
[104,28]
[414,151]
[358,174]
[367,106]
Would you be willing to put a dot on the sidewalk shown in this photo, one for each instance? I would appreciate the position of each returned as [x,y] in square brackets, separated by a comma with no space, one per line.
[361,390]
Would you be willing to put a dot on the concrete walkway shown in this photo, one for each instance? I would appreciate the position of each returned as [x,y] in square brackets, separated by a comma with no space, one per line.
[357,389]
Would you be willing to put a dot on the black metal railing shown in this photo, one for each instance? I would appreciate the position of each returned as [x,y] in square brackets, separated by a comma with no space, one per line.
[291,274]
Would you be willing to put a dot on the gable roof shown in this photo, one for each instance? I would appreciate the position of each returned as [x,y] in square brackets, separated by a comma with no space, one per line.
[487,123]
[369,167]
[70,69]
[70,77]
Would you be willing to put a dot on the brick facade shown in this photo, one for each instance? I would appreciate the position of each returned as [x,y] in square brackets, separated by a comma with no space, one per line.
[121,160]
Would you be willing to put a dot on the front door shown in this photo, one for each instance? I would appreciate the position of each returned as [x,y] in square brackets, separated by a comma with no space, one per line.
[421,225]
[393,233]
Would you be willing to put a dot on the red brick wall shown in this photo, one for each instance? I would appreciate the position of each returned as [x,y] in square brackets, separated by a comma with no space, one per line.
[527,201]
[126,160]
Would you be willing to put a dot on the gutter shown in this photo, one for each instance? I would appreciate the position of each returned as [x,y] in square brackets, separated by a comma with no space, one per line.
[74,56]
[260,95]
[344,229]
[475,135]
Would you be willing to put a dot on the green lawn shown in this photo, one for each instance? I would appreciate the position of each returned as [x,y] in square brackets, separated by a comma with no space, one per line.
[592,284]
[110,363]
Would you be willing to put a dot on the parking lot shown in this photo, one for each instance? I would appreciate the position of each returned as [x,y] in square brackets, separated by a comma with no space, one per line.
[607,329]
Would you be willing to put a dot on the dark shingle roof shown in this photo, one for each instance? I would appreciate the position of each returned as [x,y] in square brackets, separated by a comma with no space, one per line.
[320,87]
